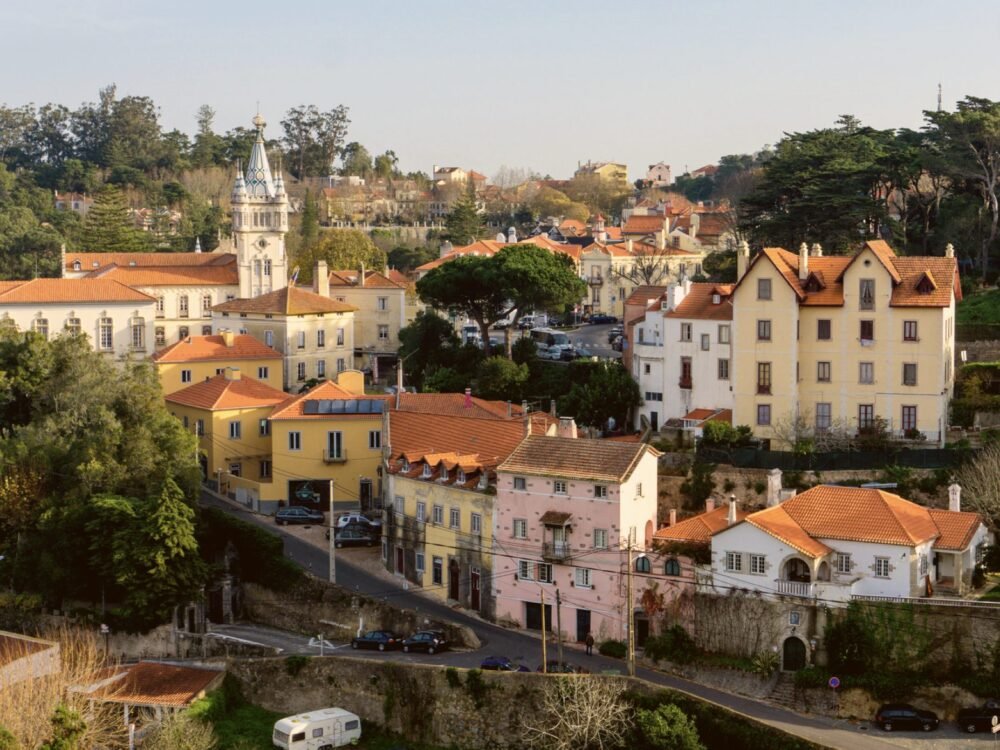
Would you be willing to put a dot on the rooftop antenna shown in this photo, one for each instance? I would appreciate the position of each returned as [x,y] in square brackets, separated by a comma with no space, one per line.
[939,96]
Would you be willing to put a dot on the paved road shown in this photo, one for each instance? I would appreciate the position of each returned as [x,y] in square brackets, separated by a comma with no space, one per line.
[526,649]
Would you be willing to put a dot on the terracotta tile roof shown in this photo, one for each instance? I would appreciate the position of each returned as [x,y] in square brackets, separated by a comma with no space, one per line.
[71,290]
[644,248]
[942,271]
[153,684]
[713,224]
[288,301]
[699,415]
[206,275]
[14,646]
[90,261]
[590,460]
[218,393]
[778,523]
[419,436]
[643,294]
[698,304]
[698,529]
[454,404]
[724,415]
[206,348]
[634,438]
[373,280]
[614,233]
[638,224]
[957,529]
[399,277]
[294,407]
[575,226]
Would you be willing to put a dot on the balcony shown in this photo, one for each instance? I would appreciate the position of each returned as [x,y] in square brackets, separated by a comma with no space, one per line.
[334,457]
[557,551]
[826,591]
[596,280]
[684,383]
[795,588]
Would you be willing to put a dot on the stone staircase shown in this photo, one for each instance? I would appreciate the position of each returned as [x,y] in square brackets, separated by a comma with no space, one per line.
[783,692]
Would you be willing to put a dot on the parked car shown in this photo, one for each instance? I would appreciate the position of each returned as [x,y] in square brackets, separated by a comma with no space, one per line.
[380,639]
[562,667]
[298,514]
[979,719]
[618,344]
[357,519]
[553,353]
[353,536]
[582,351]
[614,332]
[602,319]
[426,640]
[893,716]
[502,664]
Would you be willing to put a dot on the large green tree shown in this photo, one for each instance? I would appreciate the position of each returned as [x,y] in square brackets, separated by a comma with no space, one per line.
[314,139]
[609,393]
[108,227]
[464,225]
[667,728]
[342,249]
[425,345]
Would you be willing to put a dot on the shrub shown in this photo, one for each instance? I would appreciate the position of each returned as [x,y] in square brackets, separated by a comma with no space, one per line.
[700,484]
[765,663]
[728,486]
[452,677]
[261,555]
[760,487]
[295,664]
[614,649]
[674,644]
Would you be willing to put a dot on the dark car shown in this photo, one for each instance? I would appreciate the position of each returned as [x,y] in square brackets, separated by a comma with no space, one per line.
[502,664]
[562,667]
[602,319]
[979,719]
[426,640]
[298,514]
[380,639]
[353,536]
[904,716]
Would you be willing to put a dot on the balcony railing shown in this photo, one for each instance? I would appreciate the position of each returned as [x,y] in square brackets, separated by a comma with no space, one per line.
[597,280]
[334,457]
[684,383]
[555,550]
[795,588]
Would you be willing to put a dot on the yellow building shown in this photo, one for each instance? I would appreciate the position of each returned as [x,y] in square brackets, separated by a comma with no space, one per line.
[314,334]
[441,474]
[608,171]
[229,413]
[197,358]
[840,343]
[331,432]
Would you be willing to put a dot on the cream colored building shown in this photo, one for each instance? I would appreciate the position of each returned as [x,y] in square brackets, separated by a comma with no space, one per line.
[199,358]
[315,334]
[839,343]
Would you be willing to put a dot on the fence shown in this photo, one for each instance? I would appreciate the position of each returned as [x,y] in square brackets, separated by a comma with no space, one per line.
[915,458]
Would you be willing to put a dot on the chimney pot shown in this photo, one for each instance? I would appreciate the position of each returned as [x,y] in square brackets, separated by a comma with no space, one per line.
[949,251]
[731,518]
[228,338]
[709,504]
[742,259]
[468,398]
[673,516]
[955,498]
[803,262]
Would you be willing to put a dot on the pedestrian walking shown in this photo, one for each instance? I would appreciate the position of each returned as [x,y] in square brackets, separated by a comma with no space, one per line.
[590,644]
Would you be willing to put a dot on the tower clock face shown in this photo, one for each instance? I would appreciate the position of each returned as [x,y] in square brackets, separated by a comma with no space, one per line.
[261,243]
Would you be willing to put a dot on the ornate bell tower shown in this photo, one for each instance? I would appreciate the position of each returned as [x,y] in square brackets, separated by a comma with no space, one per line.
[260,222]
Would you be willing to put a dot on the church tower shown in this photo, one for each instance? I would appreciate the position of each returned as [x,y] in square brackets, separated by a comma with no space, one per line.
[260,223]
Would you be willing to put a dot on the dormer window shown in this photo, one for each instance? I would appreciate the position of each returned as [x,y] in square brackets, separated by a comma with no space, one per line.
[926,285]
[716,299]
[405,466]
[460,477]
[427,471]
[77,265]
[444,473]
[484,480]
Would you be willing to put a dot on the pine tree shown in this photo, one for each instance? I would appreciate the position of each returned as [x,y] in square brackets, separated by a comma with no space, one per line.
[108,227]
[310,221]
[464,225]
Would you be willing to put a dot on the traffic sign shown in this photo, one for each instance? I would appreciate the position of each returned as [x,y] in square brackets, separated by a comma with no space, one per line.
[834,682]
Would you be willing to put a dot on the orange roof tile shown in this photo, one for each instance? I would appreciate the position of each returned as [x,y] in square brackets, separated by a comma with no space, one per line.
[643,224]
[698,303]
[614,233]
[579,458]
[778,523]
[219,393]
[699,415]
[957,529]
[644,294]
[294,407]
[71,290]
[373,279]
[419,437]
[90,261]
[154,684]
[205,275]
[454,404]
[698,529]
[942,271]
[206,348]
[288,301]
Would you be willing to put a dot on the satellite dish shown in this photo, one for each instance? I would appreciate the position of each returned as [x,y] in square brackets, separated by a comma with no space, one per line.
[501,237]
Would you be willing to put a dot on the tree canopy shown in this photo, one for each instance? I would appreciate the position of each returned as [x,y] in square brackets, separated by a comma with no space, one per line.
[342,249]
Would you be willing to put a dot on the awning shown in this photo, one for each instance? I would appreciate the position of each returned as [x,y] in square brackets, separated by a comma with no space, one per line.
[555,518]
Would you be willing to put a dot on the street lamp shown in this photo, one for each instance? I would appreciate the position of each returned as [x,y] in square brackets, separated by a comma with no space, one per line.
[106,632]
[630,651]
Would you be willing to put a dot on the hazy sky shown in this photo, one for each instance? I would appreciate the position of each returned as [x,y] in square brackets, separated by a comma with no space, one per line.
[539,84]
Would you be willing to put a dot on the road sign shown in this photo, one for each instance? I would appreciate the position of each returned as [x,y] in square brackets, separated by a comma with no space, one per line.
[834,682]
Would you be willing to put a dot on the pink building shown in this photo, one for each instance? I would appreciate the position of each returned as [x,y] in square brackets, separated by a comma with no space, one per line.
[565,508]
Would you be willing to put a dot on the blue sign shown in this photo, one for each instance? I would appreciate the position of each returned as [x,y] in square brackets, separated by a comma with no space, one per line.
[834,682]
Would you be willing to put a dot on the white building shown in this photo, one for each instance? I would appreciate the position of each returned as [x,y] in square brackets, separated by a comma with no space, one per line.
[681,352]
[659,174]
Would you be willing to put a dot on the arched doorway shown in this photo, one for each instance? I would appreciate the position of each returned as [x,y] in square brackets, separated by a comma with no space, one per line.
[793,655]
[797,570]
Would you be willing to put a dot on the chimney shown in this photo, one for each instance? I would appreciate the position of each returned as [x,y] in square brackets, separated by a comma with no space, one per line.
[567,428]
[468,398]
[949,250]
[228,338]
[446,247]
[673,517]
[709,504]
[552,407]
[731,518]
[816,251]
[661,239]
[803,262]
[954,498]
[628,245]
[742,259]
[361,278]
[321,279]
[527,418]
[233,373]
[773,487]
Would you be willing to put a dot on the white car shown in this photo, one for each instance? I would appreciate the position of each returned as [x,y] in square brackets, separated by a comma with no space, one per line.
[358,519]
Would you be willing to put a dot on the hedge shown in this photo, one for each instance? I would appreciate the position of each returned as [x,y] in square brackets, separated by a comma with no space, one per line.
[261,554]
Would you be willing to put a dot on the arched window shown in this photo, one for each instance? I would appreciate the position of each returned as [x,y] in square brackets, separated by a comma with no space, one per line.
[642,565]
[672,567]
[77,265]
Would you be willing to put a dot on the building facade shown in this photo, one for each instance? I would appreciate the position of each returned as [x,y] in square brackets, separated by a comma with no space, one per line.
[199,358]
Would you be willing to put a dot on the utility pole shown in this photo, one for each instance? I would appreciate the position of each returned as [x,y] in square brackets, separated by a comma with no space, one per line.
[333,540]
[545,663]
[631,610]
[559,626]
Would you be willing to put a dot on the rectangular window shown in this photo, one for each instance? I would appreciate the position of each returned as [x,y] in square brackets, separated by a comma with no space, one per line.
[525,570]
[185,376]
[600,538]
[374,439]
[909,418]
[763,330]
[685,331]
[600,490]
[207,330]
[320,339]
[647,369]
[262,373]
[823,416]
[685,372]
[236,469]
[723,334]
[882,567]
[300,370]
[909,373]
[734,562]
[340,337]
[159,307]
[437,572]
[302,339]
[182,306]
[583,578]
[269,338]
[823,372]
[544,572]
[867,331]
[421,511]
[520,528]
[206,304]
[294,441]
[764,377]
[235,430]
[420,562]
[106,335]
[199,427]
[335,444]
[73,326]
[437,515]
[866,416]
[161,335]
[763,414]
[382,304]
[383,333]
[454,518]
[520,483]
[763,289]
[758,564]
[265,469]
[265,428]
[866,295]
[910,330]
[843,563]
[476,523]
[706,341]
[866,373]
[138,334]
[559,487]
[320,368]
[723,369]
[341,364]
[823,330]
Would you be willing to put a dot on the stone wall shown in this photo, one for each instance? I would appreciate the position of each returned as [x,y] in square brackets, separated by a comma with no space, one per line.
[320,607]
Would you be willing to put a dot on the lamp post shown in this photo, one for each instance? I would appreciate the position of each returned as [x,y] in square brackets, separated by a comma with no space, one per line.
[630,650]
[333,540]
[106,632]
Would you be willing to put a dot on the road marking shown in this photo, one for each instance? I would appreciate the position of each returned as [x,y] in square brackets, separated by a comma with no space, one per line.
[244,641]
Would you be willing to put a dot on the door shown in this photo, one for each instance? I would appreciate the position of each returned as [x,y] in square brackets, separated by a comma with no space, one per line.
[474,599]
[399,560]
[365,494]
[559,540]
[453,575]
[533,616]
[654,421]
[641,631]
[582,624]
[793,655]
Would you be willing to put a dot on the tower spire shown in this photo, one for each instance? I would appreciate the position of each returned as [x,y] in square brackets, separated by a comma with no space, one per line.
[259,181]
[939,96]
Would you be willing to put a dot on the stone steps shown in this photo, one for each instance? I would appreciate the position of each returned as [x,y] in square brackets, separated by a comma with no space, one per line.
[783,692]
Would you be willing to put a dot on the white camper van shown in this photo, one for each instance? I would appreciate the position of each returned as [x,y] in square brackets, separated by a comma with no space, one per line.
[317,730]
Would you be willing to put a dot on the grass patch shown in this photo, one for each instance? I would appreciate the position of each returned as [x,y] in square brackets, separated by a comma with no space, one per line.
[981,307]
[993,595]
